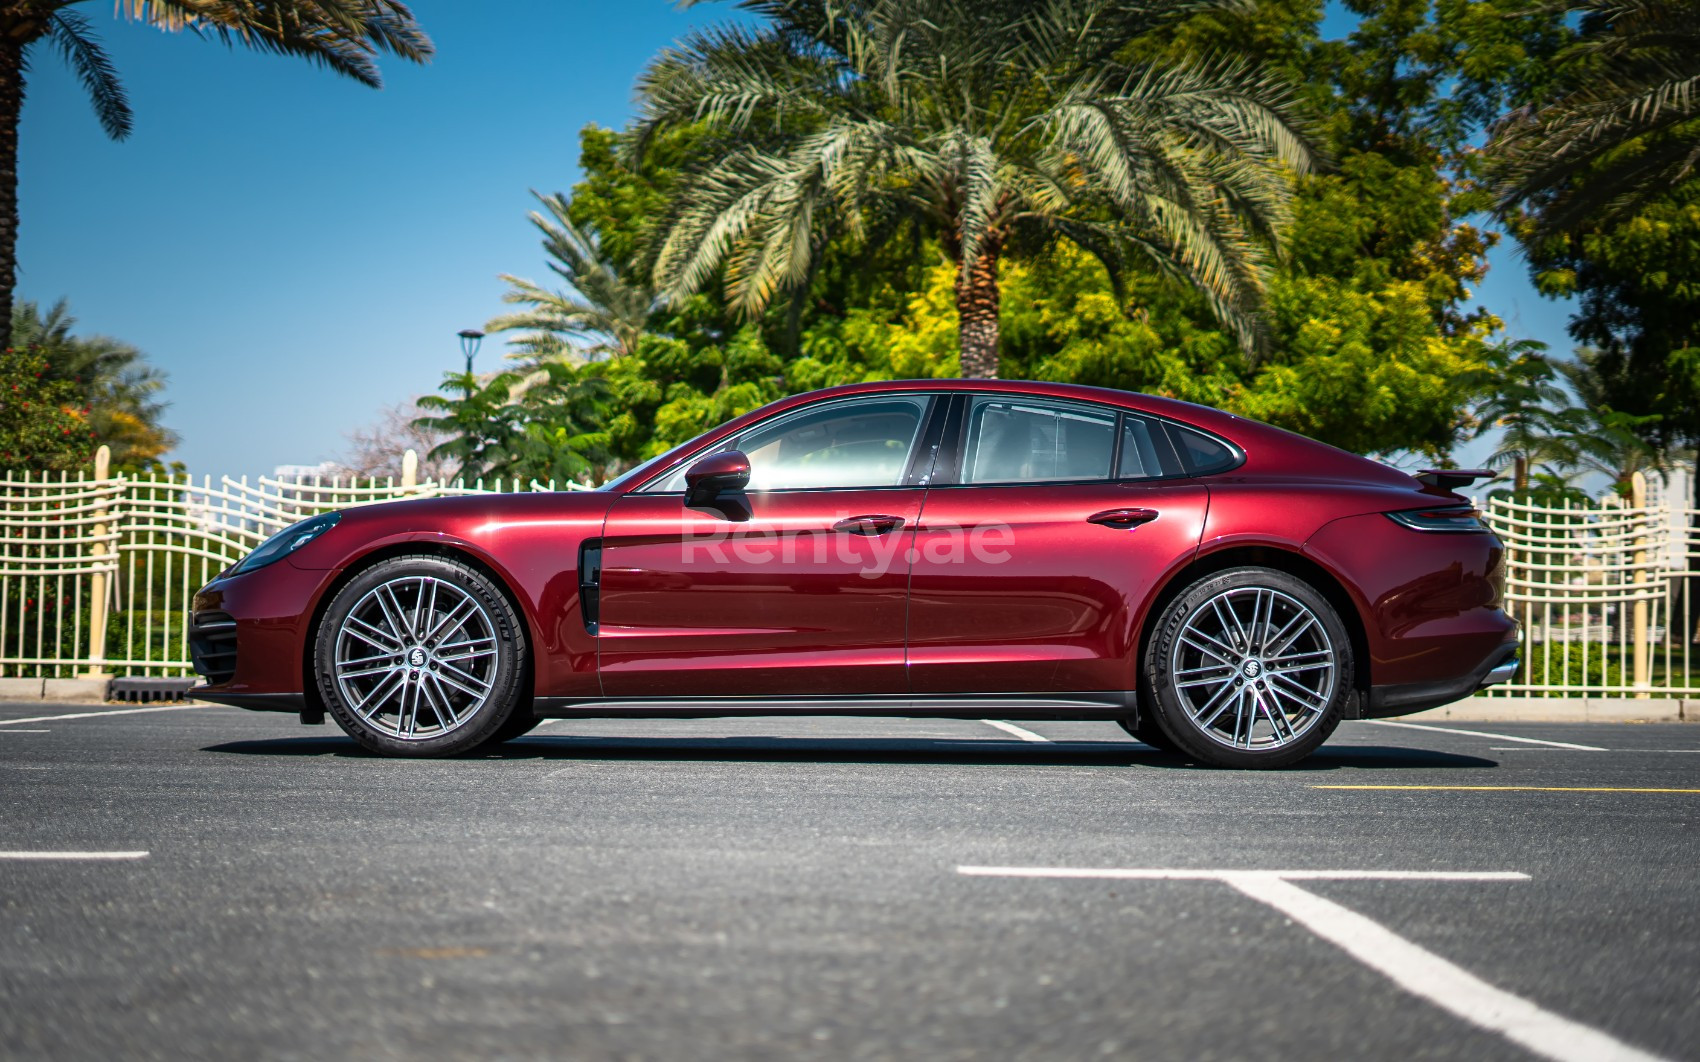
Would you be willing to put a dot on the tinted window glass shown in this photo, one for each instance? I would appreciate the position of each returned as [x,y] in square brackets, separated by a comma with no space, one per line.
[1145,452]
[1203,455]
[860,443]
[1024,441]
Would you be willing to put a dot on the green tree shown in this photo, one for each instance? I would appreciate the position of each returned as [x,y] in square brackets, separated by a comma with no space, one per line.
[41,426]
[345,36]
[602,309]
[1613,443]
[1638,310]
[550,429]
[1621,126]
[985,124]
[1527,404]
[119,392]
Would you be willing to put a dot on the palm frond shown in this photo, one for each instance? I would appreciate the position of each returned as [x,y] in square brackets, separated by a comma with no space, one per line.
[345,36]
[74,37]
[1624,127]
[600,308]
[974,118]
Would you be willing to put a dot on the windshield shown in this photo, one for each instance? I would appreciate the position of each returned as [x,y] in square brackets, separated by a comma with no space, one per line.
[635,472]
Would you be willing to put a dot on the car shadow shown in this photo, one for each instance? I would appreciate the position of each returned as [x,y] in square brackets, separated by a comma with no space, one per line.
[939,752]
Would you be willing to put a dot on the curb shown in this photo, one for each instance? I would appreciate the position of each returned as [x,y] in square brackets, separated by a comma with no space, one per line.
[1564,710]
[80,691]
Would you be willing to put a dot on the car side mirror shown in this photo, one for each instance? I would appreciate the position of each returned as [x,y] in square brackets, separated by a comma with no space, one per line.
[715,475]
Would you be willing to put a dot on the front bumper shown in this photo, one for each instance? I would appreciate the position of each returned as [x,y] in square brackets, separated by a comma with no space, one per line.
[247,636]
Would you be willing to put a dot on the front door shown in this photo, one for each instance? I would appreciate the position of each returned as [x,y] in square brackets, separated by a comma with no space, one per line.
[794,587]
[1030,569]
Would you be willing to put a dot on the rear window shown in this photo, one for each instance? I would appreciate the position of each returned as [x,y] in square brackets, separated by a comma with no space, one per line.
[1145,452]
[1037,441]
[1202,453]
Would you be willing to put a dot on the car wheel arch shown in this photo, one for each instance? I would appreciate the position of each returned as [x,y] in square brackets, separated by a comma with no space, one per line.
[411,548]
[1281,559]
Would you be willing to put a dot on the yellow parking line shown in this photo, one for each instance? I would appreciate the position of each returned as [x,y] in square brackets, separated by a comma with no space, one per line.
[1518,788]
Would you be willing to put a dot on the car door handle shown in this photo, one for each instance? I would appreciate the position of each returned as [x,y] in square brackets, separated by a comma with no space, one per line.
[868,525]
[1122,517]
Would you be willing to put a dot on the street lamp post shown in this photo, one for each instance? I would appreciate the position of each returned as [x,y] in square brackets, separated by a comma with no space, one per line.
[469,340]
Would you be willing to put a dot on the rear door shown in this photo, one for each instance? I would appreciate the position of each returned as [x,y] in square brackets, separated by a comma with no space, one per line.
[1047,526]
[795,587]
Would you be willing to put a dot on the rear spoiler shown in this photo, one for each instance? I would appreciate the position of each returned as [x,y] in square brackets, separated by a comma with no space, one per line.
[1452,478]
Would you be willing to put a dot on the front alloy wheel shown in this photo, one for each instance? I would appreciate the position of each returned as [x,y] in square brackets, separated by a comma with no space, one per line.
[1249,668]
[420,656]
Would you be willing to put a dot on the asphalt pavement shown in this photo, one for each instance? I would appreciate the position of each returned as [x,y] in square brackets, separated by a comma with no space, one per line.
[209,883]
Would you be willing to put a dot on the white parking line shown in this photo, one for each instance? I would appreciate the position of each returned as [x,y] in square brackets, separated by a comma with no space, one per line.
[1416,970]
[1011,728]
[29,731]
[1486,734]
[1167,874]
[97,715]
[1519,748]
[73,855]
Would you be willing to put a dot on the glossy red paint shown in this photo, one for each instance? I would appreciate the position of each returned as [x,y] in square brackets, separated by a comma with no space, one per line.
[1014,589]
[880,592]
[1431,601]
[768,600]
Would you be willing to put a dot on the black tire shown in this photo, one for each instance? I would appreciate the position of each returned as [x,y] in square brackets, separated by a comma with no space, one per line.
[1148,731]
[519,723]
[465,697]
[1248,671]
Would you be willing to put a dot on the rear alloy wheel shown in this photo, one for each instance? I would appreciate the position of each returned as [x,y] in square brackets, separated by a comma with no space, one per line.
[421,656]
[1249,667]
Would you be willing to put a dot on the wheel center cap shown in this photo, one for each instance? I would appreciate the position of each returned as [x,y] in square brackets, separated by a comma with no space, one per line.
[1252,668]
[416,658]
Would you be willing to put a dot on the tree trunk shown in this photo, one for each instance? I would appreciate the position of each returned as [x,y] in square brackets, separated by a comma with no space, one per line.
[977,310]
[11,108]
[1520,478]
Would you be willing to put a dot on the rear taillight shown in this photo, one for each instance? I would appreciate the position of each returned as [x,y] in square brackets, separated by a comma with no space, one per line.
[1444,521]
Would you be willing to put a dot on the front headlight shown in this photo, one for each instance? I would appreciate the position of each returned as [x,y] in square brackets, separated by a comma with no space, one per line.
[286,542]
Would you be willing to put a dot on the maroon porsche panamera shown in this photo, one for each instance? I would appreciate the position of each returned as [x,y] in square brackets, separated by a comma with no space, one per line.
[921,548]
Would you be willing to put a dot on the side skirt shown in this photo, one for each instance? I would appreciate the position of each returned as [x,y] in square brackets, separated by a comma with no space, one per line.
[294,703]
[1107,704]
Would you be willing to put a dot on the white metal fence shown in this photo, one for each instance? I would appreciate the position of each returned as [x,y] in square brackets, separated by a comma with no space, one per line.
[1604,593]
[97,571]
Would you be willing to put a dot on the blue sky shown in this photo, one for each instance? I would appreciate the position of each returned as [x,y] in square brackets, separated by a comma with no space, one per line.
[298,251]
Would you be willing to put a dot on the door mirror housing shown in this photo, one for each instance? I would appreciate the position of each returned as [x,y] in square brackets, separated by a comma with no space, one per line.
[716,474]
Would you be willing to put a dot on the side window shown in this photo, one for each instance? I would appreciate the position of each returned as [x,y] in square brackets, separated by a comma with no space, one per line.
[857,443]
[1017,440]
[1202,454]
[1146,453]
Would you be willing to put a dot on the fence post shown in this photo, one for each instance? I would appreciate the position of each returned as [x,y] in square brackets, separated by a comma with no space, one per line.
[98,592]
[1643,645]
[409,469]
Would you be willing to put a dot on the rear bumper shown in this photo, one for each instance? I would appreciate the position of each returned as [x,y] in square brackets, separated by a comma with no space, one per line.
[1405,698]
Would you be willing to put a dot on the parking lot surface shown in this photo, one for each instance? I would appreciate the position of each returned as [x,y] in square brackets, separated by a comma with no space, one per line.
[205,882]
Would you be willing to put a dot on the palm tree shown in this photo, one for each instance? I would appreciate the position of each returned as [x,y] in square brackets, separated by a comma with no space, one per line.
[342,35]
[1540,426]
[602,309]
[982,122]
[1621,133]
[119,391]
[1614,443]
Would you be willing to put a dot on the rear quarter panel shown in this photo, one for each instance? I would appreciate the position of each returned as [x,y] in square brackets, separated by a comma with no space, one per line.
[1427,603]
